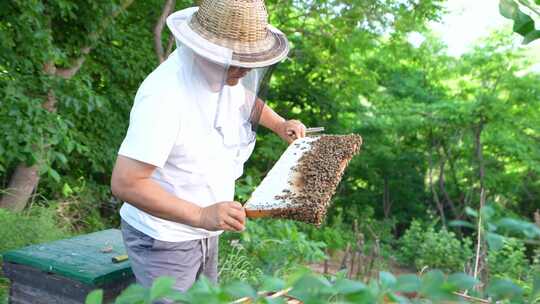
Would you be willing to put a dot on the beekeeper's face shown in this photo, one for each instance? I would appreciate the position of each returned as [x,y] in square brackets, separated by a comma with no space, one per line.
[234,74]
[215,72]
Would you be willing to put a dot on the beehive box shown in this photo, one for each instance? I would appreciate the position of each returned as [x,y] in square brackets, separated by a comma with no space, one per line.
[65,271]
[302,182]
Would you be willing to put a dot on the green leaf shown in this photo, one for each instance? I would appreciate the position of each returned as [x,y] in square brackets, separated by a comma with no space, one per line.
[161,287]
[501,289]
[346,286]
[408,283]
[272,284]
[387,280]
[240,290]
[523,23]
[54,175]
[508,8]
[460,223]
[487,212]
[471,212]
[62,158]
[310,286]
[530,230]
[133,294]
[531,36]
[95,297]
[433,287]
[272,301]
[66,190]
[495,241]
[462,281]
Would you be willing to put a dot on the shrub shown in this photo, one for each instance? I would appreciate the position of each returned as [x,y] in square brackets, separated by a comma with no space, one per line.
[536,260]
[37,225]
[87,207]
[278,245]
[510,261]
[441,249]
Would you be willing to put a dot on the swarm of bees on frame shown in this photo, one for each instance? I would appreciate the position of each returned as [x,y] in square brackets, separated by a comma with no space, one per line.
[319,172]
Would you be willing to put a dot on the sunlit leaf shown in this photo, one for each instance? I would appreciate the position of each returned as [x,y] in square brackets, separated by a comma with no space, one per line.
[471,212]
[95,297]
[161,287]
[133,294]
[508,8]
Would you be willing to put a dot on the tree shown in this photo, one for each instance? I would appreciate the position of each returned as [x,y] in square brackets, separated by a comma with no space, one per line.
[44,46]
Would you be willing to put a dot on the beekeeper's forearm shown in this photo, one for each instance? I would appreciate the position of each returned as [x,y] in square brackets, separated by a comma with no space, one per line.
[270,119]
[137,188]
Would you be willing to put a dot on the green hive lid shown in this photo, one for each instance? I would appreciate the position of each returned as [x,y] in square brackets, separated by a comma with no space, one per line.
[79,258]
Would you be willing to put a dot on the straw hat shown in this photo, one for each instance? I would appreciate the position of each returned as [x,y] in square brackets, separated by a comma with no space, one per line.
[218,26]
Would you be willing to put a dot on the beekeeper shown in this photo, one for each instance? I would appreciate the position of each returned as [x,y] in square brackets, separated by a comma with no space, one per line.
[191,129]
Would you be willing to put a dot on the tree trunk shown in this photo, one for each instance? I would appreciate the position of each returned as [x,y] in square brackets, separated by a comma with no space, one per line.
[480,266]
[20,188]
[161,54]
[387,203]
[455,180]
[442,187]
[434,193]
[343,264]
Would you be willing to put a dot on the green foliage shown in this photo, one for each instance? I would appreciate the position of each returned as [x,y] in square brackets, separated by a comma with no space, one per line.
[335,233]
[310,289]
[424,246]
[510,261]
[278,246]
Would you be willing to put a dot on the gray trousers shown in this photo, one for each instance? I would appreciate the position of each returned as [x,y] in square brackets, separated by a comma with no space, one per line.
[184,261]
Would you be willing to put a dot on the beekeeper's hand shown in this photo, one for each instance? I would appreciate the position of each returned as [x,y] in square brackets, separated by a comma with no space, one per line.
[292,129]
[228,216]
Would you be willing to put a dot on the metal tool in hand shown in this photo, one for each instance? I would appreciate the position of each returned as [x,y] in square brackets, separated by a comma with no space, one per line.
[308,131]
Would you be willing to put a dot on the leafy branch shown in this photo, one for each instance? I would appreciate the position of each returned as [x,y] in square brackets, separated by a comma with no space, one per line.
[524,24]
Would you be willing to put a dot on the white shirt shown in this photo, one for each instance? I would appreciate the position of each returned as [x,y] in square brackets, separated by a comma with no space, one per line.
[172,127]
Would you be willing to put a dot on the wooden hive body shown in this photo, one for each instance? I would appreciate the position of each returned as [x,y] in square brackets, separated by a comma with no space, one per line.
[65,271]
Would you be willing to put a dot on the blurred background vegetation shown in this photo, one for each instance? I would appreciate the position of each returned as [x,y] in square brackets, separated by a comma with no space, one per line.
[444,136]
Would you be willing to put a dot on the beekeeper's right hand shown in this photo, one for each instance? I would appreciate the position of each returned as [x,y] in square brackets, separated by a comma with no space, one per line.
[228,216]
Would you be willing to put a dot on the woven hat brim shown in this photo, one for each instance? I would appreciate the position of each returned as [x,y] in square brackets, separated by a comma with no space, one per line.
[273,49]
